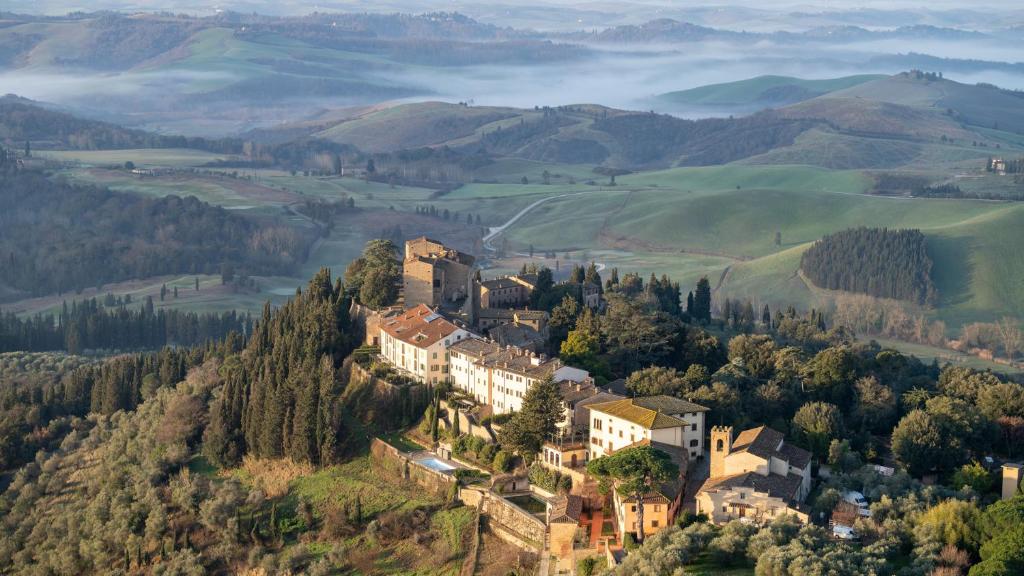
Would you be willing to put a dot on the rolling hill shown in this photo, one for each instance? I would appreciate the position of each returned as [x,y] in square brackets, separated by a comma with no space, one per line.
[763,91]
[981,105]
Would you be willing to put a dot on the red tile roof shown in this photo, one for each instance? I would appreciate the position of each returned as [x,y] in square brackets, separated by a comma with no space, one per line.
[419,326]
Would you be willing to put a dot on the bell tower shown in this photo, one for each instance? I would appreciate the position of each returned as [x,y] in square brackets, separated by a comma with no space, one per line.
[721,445]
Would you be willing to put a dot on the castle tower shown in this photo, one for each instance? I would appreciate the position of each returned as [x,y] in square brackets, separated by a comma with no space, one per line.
[1012,475]
[721,445]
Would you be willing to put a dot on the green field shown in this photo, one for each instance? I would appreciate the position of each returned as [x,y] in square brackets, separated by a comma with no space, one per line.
[143,158]
[944,355]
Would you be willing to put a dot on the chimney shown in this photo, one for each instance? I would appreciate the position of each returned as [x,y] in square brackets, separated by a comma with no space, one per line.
[1012,474]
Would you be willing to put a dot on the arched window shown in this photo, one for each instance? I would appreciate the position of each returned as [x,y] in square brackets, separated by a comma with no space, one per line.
[720,446]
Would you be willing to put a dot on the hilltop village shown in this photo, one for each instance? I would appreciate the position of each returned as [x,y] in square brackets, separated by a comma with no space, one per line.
[479,340]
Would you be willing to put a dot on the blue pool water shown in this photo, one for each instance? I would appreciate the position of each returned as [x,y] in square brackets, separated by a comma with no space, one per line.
[435,464]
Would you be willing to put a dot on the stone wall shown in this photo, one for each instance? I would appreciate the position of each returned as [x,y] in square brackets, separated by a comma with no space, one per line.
[467,425]
[382,405]
[437,483]
[506,520]
[469,564]
[514,519]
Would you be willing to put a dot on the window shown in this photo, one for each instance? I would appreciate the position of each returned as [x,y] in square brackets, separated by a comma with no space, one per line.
[657,507]
[654,523]
[694,442]
[597,423]
[743,495]
[720,445]
[693,427]
[633,509]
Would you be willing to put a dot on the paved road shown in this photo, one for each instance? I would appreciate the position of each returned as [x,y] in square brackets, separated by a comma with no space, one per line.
[497,230]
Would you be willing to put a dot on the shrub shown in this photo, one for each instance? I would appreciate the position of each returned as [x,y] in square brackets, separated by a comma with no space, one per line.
[502,461]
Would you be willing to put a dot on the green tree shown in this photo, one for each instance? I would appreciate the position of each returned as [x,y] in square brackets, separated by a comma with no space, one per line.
[656,380]
[917,443]
[973,476]
[830,375]
[635,472]
[702,301]
[527,429]
[952,522]
[755,352]
[816,424]
[563,319]
[374,277]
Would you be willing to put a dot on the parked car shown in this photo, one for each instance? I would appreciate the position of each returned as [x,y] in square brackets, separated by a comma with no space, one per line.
[858,500]
[841,532]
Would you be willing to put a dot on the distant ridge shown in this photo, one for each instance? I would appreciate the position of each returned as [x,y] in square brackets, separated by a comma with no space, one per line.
[764,91]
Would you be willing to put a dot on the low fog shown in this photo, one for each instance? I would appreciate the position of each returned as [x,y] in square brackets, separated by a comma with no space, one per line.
[620,78]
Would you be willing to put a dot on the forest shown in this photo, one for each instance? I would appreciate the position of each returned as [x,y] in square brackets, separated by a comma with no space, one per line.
[115,325]
[24,120]
[650,139]
[875,261]
[57,238]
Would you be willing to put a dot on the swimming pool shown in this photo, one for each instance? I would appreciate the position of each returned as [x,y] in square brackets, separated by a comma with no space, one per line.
[435,464]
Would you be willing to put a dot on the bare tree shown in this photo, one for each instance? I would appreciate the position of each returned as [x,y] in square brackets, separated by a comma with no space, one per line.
[1011,336]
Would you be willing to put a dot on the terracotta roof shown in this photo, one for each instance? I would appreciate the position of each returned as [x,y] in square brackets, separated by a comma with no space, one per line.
[573,392]
[761,441]
[496,313]
[499,283]
[668,404]
[776,485]
[517,335]
[419,326]
[566,510]
[628,410]
[766,443]
[600,398]
[507,358]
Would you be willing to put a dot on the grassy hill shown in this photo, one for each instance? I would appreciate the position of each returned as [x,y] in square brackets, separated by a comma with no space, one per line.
[979,105]
[763,91]
[416,125]
[732,213]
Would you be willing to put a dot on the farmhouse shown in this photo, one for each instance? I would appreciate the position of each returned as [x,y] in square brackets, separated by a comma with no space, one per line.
[416,342]
[757,476]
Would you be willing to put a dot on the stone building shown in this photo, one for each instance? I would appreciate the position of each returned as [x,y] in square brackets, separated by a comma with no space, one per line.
[505,292]
[416,343]
[662,419]
[434,274]
[757,476]
[499,376]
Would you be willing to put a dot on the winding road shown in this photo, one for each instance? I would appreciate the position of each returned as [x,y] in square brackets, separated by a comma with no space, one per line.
[496,231]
